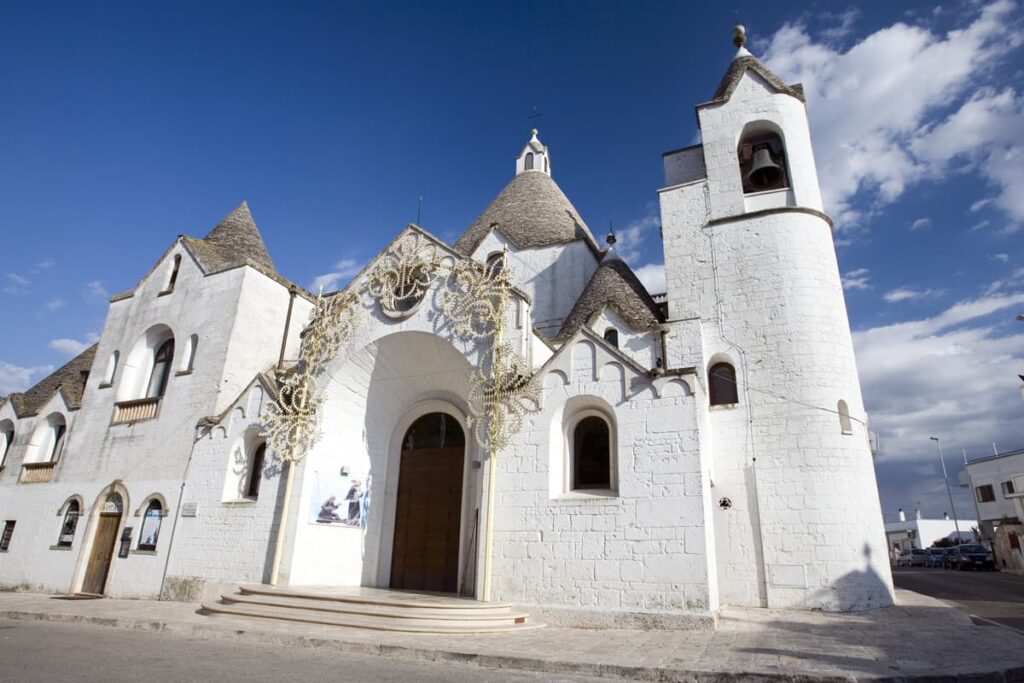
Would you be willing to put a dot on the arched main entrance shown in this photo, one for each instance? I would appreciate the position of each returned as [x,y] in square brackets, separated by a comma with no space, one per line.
[425,554]
[104,540]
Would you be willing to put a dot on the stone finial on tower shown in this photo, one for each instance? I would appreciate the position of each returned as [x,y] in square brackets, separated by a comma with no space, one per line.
[534,157]
[739,39]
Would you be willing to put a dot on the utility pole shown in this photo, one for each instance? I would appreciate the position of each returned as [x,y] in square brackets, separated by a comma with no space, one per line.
[945,478]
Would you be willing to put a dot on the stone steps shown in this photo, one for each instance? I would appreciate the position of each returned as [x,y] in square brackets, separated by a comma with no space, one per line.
[370,609]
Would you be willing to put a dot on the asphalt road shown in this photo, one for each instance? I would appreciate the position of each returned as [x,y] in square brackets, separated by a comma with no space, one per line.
[47,651]
[997,596]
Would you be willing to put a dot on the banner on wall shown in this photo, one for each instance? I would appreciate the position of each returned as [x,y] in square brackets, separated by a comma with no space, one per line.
[340,498]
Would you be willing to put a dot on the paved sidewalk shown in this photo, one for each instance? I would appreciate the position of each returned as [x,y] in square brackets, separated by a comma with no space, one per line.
[920,638]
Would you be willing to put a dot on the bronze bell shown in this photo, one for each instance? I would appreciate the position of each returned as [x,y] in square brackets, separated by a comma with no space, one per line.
[764,172]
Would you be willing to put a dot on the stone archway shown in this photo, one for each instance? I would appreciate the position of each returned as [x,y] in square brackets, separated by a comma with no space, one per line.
[428,509]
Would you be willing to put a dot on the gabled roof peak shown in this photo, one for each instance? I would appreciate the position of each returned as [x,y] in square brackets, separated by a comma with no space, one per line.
[741,62]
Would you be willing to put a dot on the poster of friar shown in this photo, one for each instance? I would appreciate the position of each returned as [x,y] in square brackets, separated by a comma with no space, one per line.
[340,498]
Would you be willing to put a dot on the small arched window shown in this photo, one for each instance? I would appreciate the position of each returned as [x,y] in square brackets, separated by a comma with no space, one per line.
[252,486]
[845,426]
[188,358]
[591,454]
[611,335]
[173,277]
[6,440]
[722,385]
[108,376]
[161,370]
[495,263]
[68,526]
[150,532]
[60,431]
[529,161]
[762,159]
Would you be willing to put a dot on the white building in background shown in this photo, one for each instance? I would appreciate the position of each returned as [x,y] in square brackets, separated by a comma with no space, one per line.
[709,450]
[918,532]
[993,488]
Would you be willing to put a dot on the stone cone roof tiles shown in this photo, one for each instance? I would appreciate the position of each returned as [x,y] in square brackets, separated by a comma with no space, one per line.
[616,286]
[233,242]
[68,377]
[739,66]
[531,211]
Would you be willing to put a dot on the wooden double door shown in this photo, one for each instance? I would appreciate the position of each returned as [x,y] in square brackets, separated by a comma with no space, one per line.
[102,553]
[428,518]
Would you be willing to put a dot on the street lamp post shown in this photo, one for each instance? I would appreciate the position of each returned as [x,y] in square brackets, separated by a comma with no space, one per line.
[945,478]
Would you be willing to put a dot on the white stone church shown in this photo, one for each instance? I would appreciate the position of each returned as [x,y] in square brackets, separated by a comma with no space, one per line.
[701,447]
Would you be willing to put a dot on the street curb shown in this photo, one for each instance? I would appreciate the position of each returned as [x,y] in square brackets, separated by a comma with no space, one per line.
[507,662]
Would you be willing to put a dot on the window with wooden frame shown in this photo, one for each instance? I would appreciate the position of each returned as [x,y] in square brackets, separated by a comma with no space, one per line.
[591,454]
[151,522]
[722,389]
[985,493]
[161,370]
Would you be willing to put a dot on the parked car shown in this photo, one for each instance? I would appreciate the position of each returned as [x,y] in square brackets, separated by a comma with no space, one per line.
[974,556]
[912,557]
[935,558]
[950,559]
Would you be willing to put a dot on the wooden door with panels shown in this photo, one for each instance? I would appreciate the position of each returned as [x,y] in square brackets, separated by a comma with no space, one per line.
[104,542]
[428,511]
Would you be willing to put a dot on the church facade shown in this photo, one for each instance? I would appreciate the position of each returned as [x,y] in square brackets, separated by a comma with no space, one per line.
[662,456]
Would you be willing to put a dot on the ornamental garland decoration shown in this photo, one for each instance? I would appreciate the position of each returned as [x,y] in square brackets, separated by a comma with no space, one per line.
[474,301]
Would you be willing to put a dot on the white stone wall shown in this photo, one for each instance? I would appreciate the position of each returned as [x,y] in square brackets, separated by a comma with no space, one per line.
[240,310]
[643,347]
[994,471]
[641,548]
[553,277]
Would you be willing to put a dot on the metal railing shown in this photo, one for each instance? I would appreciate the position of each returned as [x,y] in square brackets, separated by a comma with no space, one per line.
[136,411]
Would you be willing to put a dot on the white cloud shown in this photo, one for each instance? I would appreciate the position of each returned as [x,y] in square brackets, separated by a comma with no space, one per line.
[630,240]
[980,204]
[96,290]
[857,279]
[905,294]
[73,347]
[1003,258]
[921,224]
[953,376]
[979,225]
[652,276]
[342,270]
[16,284]
[879,110]
[16,378]
[55,304]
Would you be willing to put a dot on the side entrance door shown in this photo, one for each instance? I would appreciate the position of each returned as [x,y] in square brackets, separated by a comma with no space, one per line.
[102,553]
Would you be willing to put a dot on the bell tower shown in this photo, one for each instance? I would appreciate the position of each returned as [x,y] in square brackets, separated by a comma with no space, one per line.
[756,303]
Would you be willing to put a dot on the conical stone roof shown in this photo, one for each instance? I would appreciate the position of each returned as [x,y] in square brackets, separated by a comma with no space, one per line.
[616,286]
[233,242]
[531,211]
[70,377]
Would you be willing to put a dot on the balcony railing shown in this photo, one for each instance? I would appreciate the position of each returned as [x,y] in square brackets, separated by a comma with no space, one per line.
[36,472]
[136,411]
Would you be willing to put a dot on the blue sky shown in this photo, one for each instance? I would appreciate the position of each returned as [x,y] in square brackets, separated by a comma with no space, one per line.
[124,125]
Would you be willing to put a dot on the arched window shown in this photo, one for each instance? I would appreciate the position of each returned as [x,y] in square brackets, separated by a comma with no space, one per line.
[762,159]
[529,161]
[161,370]
[6,439]
[495,263]
[67,528]
[845,426]
[150,532]
[173,277]
[189,357]
[252,486]
[722,385]
[108,377]
[611,335]
[60,430]
[591,454]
